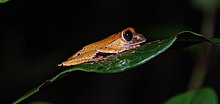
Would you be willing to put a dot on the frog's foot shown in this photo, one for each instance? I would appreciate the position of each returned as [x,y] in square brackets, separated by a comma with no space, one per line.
[134,46]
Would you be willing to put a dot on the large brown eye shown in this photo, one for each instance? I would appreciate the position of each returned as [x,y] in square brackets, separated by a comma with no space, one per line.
[128,35]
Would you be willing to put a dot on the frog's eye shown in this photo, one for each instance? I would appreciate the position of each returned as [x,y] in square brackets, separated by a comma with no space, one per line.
[128,35]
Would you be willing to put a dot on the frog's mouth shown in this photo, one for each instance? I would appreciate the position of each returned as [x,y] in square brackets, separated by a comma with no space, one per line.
[139,42]
[135,43]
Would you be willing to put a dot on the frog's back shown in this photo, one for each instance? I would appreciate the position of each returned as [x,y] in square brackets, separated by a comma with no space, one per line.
[97,45]
[101,43]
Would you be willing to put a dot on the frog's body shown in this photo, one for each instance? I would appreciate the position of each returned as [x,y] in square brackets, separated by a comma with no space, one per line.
[116,43]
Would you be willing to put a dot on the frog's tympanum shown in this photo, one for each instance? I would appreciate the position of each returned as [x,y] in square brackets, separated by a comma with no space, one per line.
[116,43]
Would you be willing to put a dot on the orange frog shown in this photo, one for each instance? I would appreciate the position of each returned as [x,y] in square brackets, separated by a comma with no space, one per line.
[116,43]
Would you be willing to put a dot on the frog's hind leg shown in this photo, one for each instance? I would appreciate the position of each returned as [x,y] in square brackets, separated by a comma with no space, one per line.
[82,51]
[86,57]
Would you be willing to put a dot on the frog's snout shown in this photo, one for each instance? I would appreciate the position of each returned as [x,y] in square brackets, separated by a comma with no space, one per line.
[140,38]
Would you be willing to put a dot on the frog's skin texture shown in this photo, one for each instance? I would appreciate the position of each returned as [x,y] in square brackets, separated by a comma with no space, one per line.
[116,43]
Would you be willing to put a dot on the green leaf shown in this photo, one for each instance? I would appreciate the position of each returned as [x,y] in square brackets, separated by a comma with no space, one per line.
[206,4]
[129,59]
[199,96]
[3,1]
[132,58]
[215,40]
[188,38]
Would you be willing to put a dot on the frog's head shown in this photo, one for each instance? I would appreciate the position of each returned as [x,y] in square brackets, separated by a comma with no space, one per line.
[131,37]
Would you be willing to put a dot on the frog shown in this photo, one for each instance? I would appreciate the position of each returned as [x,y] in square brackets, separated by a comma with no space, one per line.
[119,42]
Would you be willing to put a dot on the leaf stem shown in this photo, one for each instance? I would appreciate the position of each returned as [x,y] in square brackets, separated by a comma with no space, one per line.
[37,89]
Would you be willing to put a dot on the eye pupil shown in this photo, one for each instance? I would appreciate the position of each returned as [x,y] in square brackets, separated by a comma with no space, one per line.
[128,35]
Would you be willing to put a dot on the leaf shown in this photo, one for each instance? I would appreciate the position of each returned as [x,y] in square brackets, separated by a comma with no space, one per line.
[132,58]
[215,40]
[206,4]
[3,1]
[199,96]
[188,38]
[129,59]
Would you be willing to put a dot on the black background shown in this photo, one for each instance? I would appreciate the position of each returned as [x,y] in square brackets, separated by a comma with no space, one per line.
[37,35]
